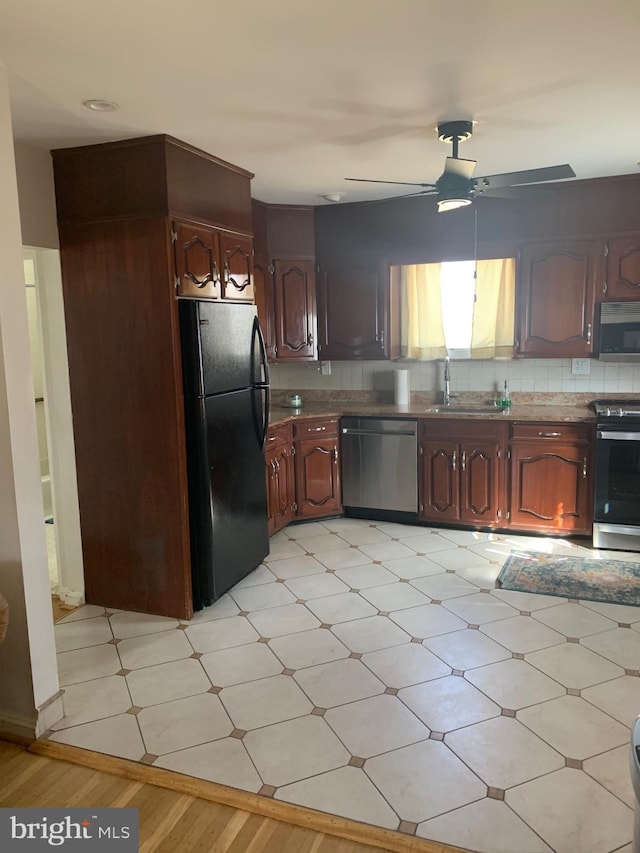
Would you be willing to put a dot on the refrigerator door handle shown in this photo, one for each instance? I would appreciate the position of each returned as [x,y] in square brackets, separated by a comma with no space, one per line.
[262,384]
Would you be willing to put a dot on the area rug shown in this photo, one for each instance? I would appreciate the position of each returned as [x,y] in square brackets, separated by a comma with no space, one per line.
[611,581]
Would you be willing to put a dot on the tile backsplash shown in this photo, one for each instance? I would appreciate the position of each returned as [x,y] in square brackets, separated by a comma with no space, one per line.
[525,375]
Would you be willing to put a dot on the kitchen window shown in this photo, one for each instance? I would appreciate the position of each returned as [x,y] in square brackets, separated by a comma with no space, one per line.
[464,309]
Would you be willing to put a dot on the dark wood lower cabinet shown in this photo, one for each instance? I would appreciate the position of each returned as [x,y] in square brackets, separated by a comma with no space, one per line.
[550,477]
[303,471]
[461,480]
[280,475]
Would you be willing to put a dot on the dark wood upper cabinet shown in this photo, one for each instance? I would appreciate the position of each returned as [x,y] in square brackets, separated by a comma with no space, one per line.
[556,299]
[354,309]
[141,222]
[622,269]
[197,257]
[286,280]
[236,258]
[294,285]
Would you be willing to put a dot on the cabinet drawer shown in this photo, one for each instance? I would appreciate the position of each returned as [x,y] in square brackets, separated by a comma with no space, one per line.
[552,431]
[278,433]
[324,428]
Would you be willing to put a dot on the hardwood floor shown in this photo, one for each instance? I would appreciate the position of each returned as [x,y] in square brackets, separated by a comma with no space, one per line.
[60,609]
[180,814]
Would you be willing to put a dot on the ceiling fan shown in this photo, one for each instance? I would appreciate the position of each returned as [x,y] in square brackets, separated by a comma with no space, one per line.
[457,187]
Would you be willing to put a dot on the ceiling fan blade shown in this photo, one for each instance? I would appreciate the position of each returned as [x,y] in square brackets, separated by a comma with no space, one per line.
[460,168]
[519,193]
[527,176]
[394,197]
[402,183]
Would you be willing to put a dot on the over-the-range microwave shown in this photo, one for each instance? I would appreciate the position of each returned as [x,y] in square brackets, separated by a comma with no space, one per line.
[620,331]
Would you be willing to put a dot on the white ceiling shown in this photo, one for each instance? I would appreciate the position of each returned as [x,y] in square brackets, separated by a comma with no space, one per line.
[305,93]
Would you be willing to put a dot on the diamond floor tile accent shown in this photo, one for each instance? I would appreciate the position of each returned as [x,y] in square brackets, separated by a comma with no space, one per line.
[611,770]
[347,792]
[166,682]
[521,755]
[466,688]
[263,702]
[82,633]
[423,780]
[572,812]
[466,649]
[370,634]
[263,596]
[619,698]
[574,727]
[308,648]
[293,750]
[486,826]
[223,761]
[94,700]
[574,620]
[620,646]
[152,649]
[448,703]
[395,596]
[288,619]
[240,664]
[87,664]
[401,666]
[375,725]
[339,682]
[574,666]
[183,723]
[119,736]
[124,625]
[427,620]
[522,634]
[479,608]
[341,608]
[514,683]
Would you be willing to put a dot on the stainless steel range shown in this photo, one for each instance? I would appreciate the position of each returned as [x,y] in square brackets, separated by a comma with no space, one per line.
[617,488]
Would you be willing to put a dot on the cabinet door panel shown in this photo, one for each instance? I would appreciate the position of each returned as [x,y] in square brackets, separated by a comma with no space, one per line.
[317,478]
[354,305]
[556,299]
[236,256]
[295,310]
[263,287]
[622,279]
[197,258]
[440,495]
[479,483]
[549,488]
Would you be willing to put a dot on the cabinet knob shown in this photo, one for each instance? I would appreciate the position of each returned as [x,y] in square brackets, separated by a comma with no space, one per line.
[584,468]
[226,275]
[453,460]
[549,434]
[588,333]
[463,460]
[316,429]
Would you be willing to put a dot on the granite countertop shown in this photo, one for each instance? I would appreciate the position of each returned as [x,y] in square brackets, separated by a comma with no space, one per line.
[519,411]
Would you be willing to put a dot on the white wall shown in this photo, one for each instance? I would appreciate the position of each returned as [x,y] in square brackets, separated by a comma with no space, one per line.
[30,700]
[34,172]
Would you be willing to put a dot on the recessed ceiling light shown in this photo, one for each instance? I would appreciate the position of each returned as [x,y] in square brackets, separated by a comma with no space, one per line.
[100,105]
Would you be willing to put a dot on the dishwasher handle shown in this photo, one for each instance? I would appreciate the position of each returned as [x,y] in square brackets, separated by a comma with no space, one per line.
[349,431]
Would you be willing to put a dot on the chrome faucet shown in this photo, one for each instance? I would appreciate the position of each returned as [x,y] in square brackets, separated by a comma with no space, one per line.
[448,396]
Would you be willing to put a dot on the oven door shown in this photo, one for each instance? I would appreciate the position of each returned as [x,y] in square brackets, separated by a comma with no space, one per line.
[617,493]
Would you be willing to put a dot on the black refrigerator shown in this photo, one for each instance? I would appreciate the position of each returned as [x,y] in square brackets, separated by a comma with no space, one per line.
[226,393]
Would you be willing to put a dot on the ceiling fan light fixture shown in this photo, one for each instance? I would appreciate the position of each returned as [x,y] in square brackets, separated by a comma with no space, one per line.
[445,204]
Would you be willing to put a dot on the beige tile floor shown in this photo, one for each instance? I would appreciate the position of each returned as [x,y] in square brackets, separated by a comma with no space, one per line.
[373,671]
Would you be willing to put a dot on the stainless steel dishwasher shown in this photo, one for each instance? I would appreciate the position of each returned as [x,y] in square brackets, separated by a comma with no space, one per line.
[379,466]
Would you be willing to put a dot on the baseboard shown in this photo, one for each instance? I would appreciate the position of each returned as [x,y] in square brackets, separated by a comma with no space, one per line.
[30,727]
[73,597]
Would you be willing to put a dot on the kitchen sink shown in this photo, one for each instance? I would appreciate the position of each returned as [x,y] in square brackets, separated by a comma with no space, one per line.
[466,410]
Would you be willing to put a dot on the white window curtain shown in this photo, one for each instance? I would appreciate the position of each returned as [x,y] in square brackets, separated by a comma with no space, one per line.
[492,328]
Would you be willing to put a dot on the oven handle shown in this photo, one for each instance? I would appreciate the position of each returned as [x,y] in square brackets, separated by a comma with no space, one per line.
[618,436]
